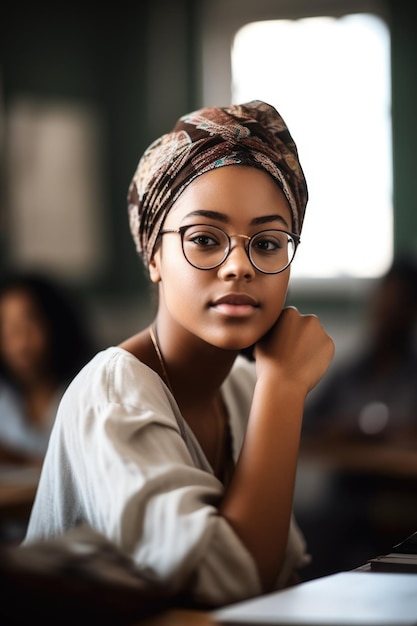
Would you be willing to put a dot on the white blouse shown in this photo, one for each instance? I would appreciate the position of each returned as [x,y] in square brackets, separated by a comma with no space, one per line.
[122,460]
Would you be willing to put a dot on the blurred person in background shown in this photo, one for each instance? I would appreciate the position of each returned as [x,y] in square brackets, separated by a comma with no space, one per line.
[365,416]
[43,344]
[374,394]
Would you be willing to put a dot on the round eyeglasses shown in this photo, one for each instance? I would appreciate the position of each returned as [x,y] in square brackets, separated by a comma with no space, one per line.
[206,247]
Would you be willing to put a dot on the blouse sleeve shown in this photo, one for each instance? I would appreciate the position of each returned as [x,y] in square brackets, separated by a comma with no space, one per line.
[119,461]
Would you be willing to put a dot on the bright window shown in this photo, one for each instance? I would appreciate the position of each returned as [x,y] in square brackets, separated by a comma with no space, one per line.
[330,80]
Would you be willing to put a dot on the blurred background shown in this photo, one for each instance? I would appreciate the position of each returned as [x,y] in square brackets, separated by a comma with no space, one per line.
[83,92]
[85,88]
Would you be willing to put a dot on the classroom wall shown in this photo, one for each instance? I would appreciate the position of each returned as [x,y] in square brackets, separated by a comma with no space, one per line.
[138,66]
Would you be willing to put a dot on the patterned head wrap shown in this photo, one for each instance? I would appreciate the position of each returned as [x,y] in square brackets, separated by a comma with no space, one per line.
[251,134]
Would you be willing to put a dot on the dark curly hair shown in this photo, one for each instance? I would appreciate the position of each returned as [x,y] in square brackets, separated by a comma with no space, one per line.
[70,342]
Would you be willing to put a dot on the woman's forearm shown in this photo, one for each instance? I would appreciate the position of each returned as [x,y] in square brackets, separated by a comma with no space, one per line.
[258,503]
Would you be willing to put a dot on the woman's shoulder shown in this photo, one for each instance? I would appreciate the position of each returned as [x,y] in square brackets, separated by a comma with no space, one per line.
[115,375]
[113,357]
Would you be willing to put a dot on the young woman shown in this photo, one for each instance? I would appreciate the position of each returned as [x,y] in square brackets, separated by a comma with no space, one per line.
[174,444]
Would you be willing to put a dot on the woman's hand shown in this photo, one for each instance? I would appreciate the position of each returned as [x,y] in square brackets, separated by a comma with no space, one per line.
[297,349]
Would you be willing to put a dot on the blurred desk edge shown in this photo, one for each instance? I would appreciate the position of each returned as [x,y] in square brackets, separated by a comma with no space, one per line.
[370,458]
[178,617]
[17,490]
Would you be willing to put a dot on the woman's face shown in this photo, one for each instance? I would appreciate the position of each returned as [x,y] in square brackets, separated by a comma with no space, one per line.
[233,305]
[23,336]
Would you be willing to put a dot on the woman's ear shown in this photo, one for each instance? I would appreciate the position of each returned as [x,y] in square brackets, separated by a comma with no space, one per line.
[154,273]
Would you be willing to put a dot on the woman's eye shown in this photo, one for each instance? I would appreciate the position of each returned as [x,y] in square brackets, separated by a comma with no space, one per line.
[203,239]
[267,245]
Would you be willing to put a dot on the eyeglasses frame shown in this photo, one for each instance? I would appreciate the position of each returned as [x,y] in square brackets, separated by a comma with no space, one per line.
[182,229]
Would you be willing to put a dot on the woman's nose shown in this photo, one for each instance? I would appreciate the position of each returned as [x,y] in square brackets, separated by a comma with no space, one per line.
[237,263]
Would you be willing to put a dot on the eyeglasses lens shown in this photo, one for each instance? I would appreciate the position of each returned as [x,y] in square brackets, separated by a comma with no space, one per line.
[206,247]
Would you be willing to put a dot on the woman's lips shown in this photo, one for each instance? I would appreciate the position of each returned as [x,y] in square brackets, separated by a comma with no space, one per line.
[235,305]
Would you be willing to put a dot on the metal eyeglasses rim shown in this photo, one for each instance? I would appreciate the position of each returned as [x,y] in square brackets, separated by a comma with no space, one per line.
[182,229]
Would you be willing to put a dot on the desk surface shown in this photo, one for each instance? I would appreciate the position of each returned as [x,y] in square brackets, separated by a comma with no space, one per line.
[315,595]
[342,599]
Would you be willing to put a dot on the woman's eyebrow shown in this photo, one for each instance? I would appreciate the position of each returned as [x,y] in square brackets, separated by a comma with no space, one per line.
[267,219]
[213,215]
[221,217]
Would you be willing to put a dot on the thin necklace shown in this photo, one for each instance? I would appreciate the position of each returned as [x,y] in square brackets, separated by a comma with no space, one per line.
[154,338]
[218,413]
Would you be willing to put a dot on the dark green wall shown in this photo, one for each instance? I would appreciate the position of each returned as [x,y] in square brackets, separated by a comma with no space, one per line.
[404,122]
[137,62]
[133,61]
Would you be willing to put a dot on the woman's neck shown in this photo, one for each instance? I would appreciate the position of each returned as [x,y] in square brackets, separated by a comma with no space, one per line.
[195,370]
